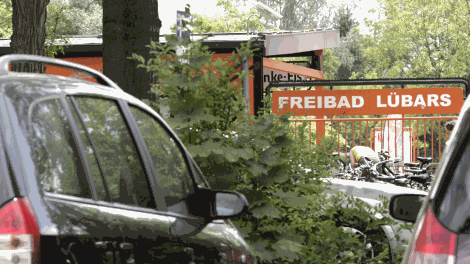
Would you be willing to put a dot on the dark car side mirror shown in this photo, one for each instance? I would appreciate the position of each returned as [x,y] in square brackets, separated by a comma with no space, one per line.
[216,204]
[228,204]
[406,207]
[207,205]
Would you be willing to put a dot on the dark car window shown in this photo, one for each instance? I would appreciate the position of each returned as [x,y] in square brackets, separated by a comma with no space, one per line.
[200,180]
[92,160]
[59,168]
[118,156]
[172,172]
[453,210]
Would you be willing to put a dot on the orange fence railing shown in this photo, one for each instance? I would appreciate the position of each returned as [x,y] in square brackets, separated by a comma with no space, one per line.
[406,137]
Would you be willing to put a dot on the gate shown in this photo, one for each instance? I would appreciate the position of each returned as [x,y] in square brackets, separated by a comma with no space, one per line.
[405,137]
[426,135]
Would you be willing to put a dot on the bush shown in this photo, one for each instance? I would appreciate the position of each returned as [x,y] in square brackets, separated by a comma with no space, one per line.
[291,219]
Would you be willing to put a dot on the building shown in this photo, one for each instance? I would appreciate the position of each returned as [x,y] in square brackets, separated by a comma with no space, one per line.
[87,50]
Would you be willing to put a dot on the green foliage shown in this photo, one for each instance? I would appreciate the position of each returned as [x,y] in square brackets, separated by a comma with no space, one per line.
[308,129]
[344,21]
[414,39]
[86,17]
[6,11]
[291,218]
[421,39]
[57,24]
[64,18]
[350,55]
[331,64]
[299,15]
[232,20]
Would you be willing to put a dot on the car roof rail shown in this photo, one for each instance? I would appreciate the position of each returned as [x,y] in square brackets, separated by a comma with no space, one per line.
[100,78]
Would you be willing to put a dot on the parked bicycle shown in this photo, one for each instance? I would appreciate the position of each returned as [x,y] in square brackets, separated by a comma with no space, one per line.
[382,168]
[341,168]
[421,173]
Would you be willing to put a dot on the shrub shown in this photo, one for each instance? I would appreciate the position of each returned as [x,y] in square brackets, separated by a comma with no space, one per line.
[292,218]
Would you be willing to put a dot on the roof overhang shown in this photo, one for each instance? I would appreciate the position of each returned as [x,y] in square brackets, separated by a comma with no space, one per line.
[300,42]
[293,43]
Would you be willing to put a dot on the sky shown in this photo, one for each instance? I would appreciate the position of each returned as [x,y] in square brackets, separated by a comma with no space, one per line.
[167,10]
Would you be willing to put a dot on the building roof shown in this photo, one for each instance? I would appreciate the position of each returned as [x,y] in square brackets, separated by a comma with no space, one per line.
[275,43]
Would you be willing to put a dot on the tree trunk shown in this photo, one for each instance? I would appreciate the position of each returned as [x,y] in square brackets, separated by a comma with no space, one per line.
[128,26]
[29,31]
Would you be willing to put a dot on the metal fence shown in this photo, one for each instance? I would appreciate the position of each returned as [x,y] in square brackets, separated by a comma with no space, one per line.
[404,137]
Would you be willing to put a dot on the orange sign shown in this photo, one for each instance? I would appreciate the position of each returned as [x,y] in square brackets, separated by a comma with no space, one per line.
[92,62]
[369,102]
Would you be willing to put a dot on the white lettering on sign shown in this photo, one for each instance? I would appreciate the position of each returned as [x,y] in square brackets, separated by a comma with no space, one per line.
[310,102]
[379,104]
[282,101]
[296,101]
[419,100]
[343,101]
[405,100]
[432,99]
[393,100]
[330,102]
[357,101]
[316,102]
[446,99]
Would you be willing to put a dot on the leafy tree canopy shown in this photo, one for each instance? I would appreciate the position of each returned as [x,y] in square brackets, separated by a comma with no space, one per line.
[6,11]
[86,17]
[343,20]
[232,20]
[64,18]
[420,39]
[299,14]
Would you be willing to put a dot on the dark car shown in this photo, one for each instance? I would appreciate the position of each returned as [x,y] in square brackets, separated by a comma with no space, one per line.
[90,174]
[442,229]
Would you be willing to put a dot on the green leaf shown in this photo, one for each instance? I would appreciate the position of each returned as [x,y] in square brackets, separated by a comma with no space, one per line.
[277,174]
[259,248]
[287,249]
[153,45]
[233,154]
[201,116]
[292,198]
[245,230]
[230,155]
[212,147]
[270,157]
[187,9]
[196,151]
[257,169]
[266,210]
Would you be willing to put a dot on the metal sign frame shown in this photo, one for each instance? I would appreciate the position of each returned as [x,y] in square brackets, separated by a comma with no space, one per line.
[402,82]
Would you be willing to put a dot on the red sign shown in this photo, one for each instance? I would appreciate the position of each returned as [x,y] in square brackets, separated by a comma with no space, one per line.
[92,62]
[369,102]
